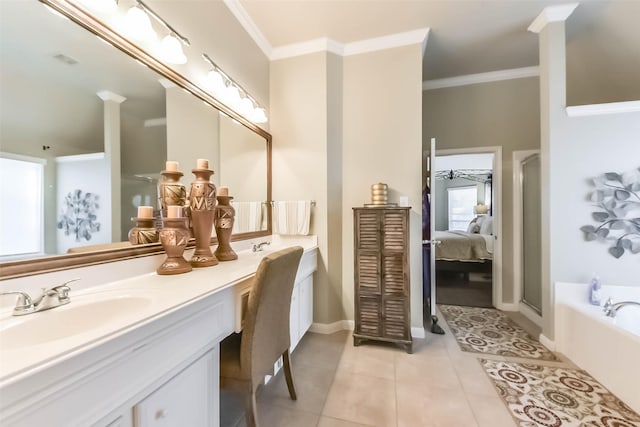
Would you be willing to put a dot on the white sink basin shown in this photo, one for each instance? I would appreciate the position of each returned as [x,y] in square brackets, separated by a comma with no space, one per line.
[77,317]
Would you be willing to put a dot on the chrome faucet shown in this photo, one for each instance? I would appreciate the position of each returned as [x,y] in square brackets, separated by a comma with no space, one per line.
[610,309]
[50,298]
[259,247]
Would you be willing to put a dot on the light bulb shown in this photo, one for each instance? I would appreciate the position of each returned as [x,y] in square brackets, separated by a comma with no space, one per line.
[171,50]
[245,107]
[259,115]
[138,25]
[232,97]
[216,82]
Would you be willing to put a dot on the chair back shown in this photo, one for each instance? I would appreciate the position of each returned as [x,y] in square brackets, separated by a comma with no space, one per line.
[265,334]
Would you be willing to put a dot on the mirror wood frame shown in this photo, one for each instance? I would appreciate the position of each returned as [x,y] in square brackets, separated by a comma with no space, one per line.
[21,268]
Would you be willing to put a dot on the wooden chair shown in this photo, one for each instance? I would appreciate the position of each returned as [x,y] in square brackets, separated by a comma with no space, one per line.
[246,358]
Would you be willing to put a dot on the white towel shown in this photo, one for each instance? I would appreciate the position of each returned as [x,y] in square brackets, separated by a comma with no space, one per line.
[248,217]
[292,217]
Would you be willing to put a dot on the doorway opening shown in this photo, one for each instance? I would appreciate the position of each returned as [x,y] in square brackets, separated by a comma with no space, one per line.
[488,204]
[464,205]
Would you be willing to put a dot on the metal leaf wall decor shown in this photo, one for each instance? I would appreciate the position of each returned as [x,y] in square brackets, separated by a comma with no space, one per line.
[617,200]
[79,215]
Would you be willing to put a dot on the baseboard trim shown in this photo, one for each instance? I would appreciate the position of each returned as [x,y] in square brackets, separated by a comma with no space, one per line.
[508,307]
[530,314]
[348,325]
[550,344]
[417,332]
[330,328]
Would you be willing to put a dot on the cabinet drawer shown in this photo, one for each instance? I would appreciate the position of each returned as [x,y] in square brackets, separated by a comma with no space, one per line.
[188,399]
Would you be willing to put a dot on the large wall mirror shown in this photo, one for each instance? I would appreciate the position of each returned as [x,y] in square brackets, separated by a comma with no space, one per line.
[86,129]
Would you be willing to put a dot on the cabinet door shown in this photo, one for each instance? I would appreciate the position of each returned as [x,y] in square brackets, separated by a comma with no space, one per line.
[188,399]
[367,225]
[394,276]
[294,318]
[306,304]
[368,313]
[394,230]
[368,273]
[395,316]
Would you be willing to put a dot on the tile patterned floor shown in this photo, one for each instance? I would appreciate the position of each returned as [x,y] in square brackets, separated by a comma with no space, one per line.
[376,385]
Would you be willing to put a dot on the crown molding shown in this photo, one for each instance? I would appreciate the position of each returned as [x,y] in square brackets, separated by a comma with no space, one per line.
[406,38]
[250,27]
[305,48]
[492,76]
[600,109]
[323,44]
[354,48]
[549,14]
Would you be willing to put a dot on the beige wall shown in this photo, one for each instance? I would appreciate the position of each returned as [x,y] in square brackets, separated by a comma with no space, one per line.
[243,162]
[332,139]
[382,116]
[192,132]
[301,124]
[506,114]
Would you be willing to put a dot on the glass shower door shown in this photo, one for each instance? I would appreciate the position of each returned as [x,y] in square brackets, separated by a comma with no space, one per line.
[531,248]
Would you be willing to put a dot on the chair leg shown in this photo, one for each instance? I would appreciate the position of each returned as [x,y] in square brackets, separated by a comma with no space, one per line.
[288,376]
[251,414]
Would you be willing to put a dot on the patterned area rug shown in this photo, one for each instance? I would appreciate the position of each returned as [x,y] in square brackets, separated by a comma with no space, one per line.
[545,396]
[487,330]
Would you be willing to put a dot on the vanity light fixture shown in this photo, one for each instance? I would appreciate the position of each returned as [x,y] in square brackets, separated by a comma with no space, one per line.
[259,115]
[171,50]
[231,94]
[139,27]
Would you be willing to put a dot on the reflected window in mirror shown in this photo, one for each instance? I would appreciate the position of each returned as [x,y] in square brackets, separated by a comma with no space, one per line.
[22,214]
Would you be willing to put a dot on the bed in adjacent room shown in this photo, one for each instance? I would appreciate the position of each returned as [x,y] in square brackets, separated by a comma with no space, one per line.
[466,251]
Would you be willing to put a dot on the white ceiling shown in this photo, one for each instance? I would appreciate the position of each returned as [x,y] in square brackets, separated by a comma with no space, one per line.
[474,36]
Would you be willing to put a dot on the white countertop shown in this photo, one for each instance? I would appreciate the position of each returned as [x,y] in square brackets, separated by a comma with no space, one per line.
[107,311]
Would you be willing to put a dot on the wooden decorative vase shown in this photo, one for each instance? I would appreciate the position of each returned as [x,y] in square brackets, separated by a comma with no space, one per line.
[144,232]
[202,202]
[171,192]
[224,218]
[174,237]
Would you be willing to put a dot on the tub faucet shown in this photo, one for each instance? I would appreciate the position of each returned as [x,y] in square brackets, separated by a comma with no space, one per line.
[610,309]
[50,298]
[260,246]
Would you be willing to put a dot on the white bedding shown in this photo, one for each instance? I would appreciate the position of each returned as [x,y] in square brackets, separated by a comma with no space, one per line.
[462,246]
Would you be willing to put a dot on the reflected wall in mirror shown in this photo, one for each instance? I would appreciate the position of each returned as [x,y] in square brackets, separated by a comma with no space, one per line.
[85,130]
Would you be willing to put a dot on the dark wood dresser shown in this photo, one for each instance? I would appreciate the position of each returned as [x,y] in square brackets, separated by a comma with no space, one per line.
[381,270]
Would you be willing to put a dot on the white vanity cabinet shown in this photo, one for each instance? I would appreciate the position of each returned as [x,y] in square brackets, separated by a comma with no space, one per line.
[188,399]
[157,373]
[301,316]
[155,368]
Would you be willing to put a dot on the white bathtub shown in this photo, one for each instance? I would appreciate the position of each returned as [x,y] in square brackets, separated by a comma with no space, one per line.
[609,349]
